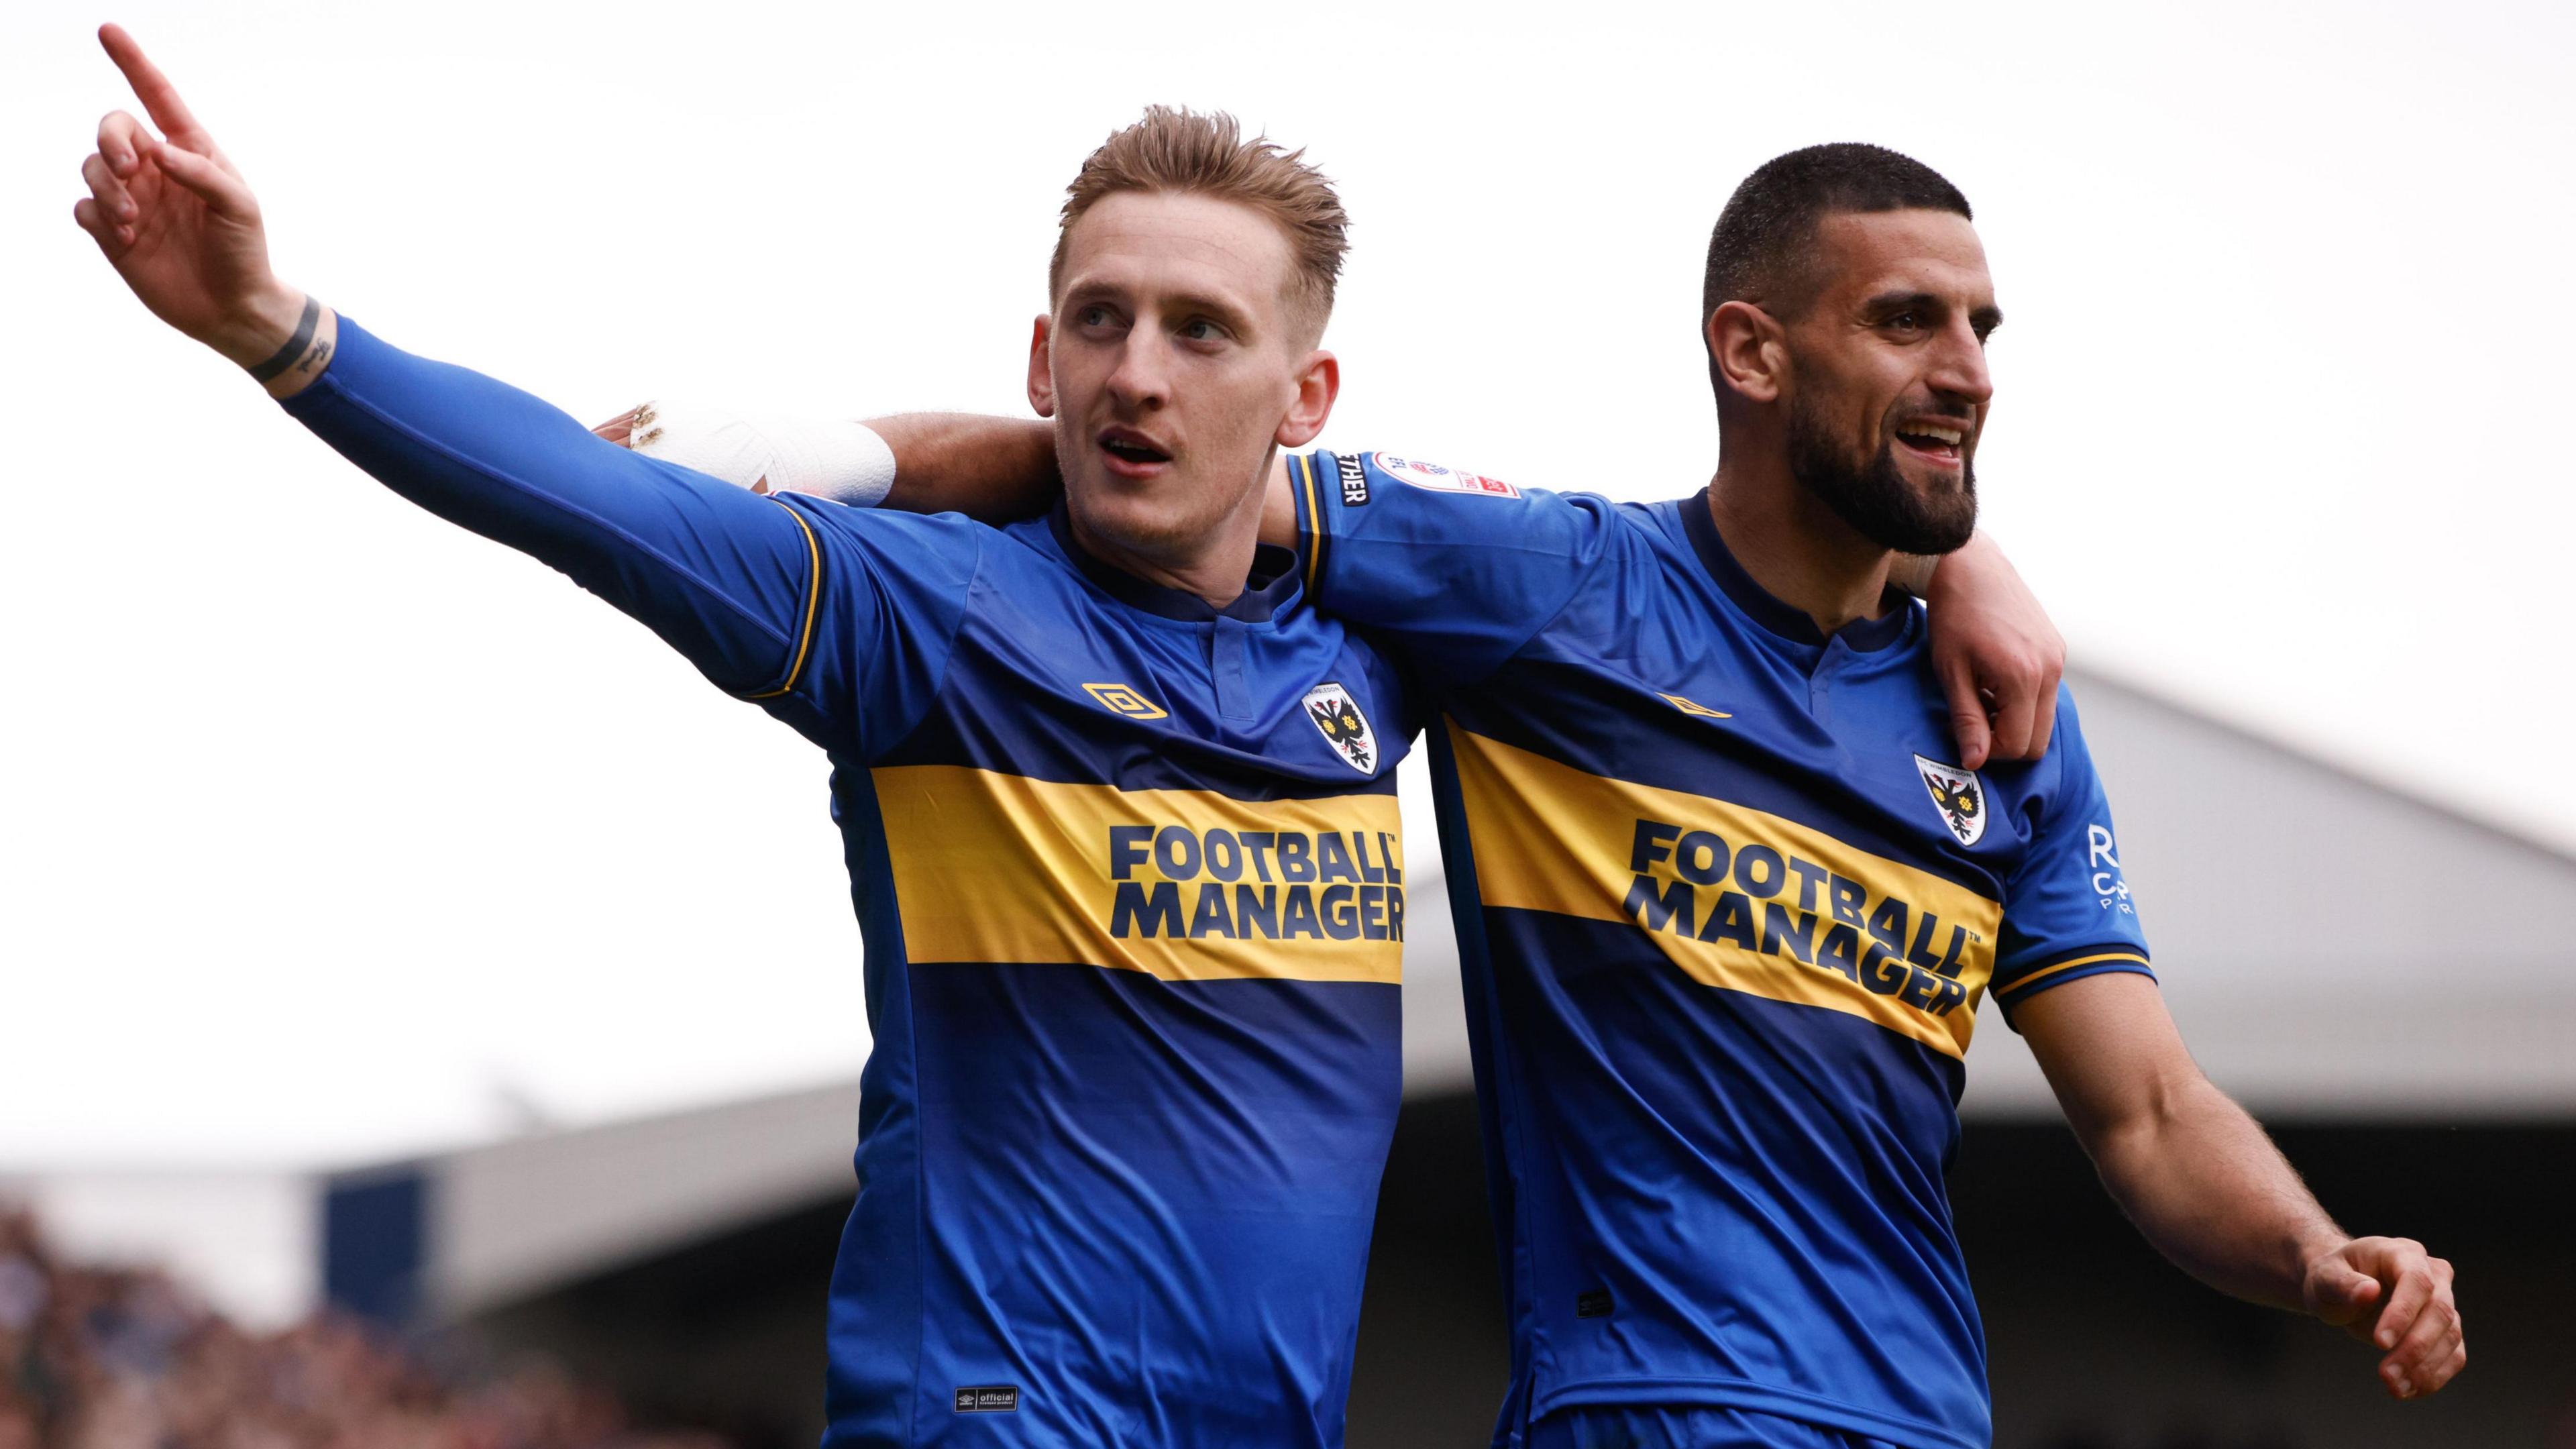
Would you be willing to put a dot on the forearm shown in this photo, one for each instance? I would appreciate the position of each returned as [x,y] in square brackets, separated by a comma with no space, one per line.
[721,574]
[994,469]
[2205,1185]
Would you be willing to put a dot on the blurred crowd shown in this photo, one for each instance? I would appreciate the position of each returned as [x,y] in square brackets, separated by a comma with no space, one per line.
[96,1357]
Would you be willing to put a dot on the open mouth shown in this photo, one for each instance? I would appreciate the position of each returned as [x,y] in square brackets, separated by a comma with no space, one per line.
[1132,452]
[1938,441]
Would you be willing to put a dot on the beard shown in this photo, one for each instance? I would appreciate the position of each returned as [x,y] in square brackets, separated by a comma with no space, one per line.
[1874,497]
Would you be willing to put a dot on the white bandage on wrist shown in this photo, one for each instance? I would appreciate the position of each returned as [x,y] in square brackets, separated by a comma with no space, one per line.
[845,462]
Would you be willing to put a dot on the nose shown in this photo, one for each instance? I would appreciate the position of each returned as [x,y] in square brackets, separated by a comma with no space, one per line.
[1959,366]
[1141,382]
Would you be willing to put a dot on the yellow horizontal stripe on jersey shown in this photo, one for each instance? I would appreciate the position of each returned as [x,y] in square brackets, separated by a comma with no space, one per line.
[1736,898]
[1185,885]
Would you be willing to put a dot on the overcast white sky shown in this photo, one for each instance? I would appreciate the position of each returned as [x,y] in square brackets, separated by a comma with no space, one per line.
[332,831]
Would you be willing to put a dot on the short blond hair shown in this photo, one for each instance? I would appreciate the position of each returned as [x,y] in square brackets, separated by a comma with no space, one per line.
[1176,149]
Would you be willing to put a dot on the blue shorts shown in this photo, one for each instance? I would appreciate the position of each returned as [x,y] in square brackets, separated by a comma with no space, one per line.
[1606,1427]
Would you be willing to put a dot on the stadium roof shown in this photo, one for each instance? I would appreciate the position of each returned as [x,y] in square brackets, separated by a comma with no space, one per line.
[2332,948]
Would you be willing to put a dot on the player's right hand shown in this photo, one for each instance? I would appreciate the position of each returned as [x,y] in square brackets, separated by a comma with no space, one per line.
[2394,1296]
[1998,655]
[176,220]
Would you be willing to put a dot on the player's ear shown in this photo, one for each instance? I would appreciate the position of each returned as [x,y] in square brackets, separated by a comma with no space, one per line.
[1041,370]
[1318,383]
[1750,350]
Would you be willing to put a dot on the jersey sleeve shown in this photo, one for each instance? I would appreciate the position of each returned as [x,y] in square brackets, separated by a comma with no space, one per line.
[837,621]
[1451,571]
[2067,909]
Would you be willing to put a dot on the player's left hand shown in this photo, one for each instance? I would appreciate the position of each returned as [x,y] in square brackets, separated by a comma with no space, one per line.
[172,214]
[1998,655]
[2393,1295]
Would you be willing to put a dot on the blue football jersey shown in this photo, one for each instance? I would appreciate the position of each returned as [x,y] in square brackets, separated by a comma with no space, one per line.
[1726,907]
[1130,879]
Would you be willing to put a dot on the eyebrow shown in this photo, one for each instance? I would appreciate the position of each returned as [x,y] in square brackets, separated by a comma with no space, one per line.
[1223,311]
[1985,319]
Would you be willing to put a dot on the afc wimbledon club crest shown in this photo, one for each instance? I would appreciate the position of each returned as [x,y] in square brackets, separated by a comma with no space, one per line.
[1346,729]
[1960,797]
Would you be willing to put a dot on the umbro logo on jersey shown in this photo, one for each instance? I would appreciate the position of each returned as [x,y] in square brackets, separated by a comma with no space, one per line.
[1693,707]
[1354,480]
[1346,729]
[1958,795]
[989,1399]
[1119,699]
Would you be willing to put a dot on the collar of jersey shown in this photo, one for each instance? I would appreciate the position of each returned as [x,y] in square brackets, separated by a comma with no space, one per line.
[1786,620]
[1272,582]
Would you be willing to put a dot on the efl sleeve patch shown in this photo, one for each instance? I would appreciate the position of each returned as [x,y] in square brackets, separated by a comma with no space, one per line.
[1435,477]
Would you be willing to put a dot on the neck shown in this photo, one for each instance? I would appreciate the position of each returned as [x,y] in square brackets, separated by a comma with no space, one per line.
[1213,565]
[1794,546]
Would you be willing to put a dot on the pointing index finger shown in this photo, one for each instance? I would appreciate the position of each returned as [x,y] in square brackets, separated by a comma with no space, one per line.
[159,97]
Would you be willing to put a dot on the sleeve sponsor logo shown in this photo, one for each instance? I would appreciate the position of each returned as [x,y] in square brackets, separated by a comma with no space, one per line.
[1958,795]
[2110,883]
[1355,489]
[1440,479]
[1120,699]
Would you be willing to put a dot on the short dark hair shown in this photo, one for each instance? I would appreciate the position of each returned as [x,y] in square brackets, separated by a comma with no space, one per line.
[1763,240]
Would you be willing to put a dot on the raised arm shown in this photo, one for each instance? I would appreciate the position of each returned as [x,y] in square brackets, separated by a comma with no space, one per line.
[2206,1186]
[993,470]
[2000,658]
[728,579]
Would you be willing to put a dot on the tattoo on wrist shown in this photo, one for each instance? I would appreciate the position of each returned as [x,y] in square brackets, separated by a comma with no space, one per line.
[293,353]
[314,359]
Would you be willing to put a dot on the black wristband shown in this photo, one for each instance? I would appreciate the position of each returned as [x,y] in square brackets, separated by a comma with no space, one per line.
[285,357]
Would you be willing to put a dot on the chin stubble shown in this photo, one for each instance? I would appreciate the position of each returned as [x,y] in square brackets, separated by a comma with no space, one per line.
[1875,499]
